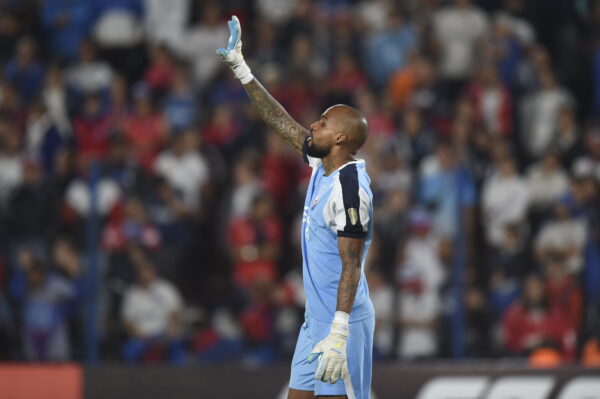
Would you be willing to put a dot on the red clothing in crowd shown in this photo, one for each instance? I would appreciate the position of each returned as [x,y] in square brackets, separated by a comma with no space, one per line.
[146,135]
[248,235]
[119,235]
[92,136]
[566,296]
[503,112]
[524,329]
[280,178]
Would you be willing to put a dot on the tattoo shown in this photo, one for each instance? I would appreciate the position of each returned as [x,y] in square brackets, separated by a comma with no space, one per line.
[276,116]
[351,253]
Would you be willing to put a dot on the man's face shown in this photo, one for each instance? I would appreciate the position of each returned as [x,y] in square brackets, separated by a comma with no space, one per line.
[322,134]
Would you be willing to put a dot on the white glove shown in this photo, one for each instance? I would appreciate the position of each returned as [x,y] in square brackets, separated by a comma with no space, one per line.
[232,56]
[331,351]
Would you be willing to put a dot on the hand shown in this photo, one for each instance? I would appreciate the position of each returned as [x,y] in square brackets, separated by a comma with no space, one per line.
[331,352]
[232,56]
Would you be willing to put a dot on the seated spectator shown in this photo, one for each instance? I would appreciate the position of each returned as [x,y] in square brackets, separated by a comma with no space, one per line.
[11,164]
[43,137]
[505,200]
[145,127]
[246,184]
[563,291]
[54,98]
[180,104]
[172,216]
[568,142]
[564,235]
[133,229]
[588,164]
[420,309]
[89,74]
[92,129]
[43,300]
[531,323]
[492,102]
[160,72]
[547,182]
[66,23]
[255,243]
[184,168]
[445,186]
[25,72]
[151,314]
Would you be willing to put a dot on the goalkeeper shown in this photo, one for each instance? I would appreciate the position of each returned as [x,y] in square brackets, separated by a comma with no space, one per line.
[334,350]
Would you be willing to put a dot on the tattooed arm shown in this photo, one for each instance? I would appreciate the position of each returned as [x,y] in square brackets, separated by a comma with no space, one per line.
[269,109]
[275,115]
[351,253]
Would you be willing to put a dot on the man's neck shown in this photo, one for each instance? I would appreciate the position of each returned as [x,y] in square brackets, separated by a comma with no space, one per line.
[333,161]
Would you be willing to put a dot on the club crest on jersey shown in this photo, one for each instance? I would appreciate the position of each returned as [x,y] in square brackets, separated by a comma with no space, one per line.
[353,215]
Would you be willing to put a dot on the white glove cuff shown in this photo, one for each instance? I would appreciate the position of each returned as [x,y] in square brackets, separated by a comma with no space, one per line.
[341,317]
[340,326]
[242,72]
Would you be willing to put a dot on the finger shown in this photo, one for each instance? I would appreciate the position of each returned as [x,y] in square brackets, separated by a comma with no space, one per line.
[328,371]
[337,370]
[234,33]
[321,368]
[344,372]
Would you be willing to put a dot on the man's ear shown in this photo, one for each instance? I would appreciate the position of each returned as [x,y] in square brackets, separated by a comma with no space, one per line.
[340,138]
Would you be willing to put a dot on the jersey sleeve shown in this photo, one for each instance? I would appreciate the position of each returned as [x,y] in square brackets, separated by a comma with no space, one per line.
[348,210]
[311,161]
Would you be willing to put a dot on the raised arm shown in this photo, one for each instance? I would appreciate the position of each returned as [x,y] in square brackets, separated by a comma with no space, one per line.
[269,109]
[276,116]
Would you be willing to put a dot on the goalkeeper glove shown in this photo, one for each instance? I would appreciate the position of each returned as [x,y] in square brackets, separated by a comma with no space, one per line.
[232,56]
[332,351]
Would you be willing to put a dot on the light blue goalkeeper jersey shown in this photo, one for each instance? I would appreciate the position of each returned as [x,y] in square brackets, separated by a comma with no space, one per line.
[338,205]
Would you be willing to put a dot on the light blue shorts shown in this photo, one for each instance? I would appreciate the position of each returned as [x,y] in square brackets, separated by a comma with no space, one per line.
[360,359]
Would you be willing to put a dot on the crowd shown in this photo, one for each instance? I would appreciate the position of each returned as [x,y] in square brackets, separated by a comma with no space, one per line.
[143,201]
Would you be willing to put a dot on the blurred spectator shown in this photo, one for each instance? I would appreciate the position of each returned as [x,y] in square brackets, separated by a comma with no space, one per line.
[92,129]
[89,74]
[161,69]
[66,22]
[43,139]
[25,71]
[567,140]
[459,30]
[531,323]
[255,242]
[246,184]
[145,127]
[419,311]
[9,33]
[562,290]
[564,235]
[207,35]
[132,229]
[33,207]
[539,114]
[387,50]
[180,106]
[54,96]
[492,102]
[478,335]
[118,23]
[165,20]
[505,199]
[11,164]
[547,181]
[44,330]
[185,168]
[151,316]
[415,140]
[588,164]
[446,188]
[277,12]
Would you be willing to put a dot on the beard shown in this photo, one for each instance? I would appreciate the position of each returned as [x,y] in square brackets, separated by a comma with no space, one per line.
[316,152]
